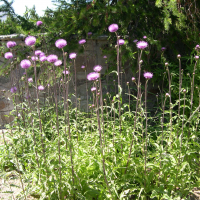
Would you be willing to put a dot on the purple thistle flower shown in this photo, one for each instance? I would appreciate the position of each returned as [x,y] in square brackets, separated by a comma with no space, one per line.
[163,49]
[93,76]
[93,89]
[72,55]
[52,58]
[61,43]
[121,41]
[145,37]
[8,55]
[89,33]
[38,23]
[25,64]
[38,52]
[196,57]
[24,73]
[10,44]
[82,67]
[42,54]
[197,47]
[43,58]
[30,80]
[82,41]
[133,78]
[13,89]
[105,57]
[135,41]
[97,68]
[142,45]
[40,87]
[34,58]
[148,75]
[58,63]
[65,72]
[30,40]
[113,28]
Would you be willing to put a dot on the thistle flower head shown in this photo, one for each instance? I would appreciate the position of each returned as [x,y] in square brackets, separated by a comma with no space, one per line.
[89,33]
[142,45]
[113,28]
[13,89]
[82,67]
[196,57]
[30,40]
[25,64]
[121,41]
[42,54]
[178,56]
[34,58]
[93,76]
[30,80]
[105,57]
[65,72]
[145,37]
[163,48]
[52,58]
[58,63]
[93,89]
[133,78]
[8,55]
[11,44]
[38,23]
[135,41]
[82,41]
[72,55]
[61,43]
[40,87]
[97,68]
[38,52]
[148,75]
[43,58]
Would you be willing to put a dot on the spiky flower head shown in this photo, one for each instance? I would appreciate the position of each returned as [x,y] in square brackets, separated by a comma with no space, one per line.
[30,80]
[148,75]
[52,58]
[82,41]
[38,52]
[121,41]
[43,58]
[163,48]
[40,87]
[82,67]
[13,89]
[61,43]
[145,37]
[66,72]
[113,28]
[34,58]
[30,40]
[11,44]
[97,68]
[25,64]
[93,76]
[72,55]
[105,57]
[58,63]
[133,79]
[93,89]
[8,55]
[142,45]
[196,57]
[135,41]
[38,23]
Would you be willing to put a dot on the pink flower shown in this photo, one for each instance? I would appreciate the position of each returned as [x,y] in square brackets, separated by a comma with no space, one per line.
[82,67]
[135,41]
[93,89]
[43,58]
[25,64]
[58,63]
[82,41]
[97,68]
[13,89]
[142,45]
[65,72]
[113,28]
[8,55]
[52,58]
[40,87]
[148,75]
[121,41]
[30,80]
[30,40]
[72,55]
[105,57]
[38,23]
[10,44]
[34,58]
[133,78]
[145,37]
[93,76]
[61,43]
[163,49]
[38,52]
